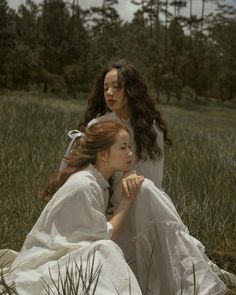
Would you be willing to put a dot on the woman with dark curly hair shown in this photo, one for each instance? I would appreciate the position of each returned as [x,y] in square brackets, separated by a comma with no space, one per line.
[120,93]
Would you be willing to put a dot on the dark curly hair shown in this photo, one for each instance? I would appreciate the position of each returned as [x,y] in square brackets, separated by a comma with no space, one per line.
[142,107]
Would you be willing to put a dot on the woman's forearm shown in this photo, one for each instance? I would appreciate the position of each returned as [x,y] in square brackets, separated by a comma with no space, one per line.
[131,184]
[119,216]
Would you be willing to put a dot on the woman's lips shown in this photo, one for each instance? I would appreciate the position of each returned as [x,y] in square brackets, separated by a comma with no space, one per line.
[111,101]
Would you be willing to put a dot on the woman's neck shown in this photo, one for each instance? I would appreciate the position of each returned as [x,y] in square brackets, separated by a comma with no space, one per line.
[123,114]
[104,170]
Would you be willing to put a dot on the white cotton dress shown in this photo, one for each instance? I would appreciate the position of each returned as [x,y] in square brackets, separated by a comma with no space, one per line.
[72,236]
[165,258]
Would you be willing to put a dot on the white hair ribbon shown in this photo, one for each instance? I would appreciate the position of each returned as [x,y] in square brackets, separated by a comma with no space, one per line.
[73,134]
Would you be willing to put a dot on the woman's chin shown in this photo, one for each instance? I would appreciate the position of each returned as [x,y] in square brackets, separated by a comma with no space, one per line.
[127,168]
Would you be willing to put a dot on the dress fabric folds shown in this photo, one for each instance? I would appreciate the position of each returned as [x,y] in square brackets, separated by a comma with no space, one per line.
[165,258]
[71,241]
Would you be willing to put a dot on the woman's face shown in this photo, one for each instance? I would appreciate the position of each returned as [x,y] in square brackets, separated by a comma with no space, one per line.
[114,96]
[120,155]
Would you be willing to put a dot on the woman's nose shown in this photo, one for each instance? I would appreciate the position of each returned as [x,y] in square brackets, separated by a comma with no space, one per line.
[109,91]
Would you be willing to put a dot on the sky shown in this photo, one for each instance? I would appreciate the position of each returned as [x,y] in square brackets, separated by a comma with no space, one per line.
[126,8]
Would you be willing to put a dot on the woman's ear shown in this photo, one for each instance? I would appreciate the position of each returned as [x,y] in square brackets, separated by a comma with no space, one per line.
[102,156]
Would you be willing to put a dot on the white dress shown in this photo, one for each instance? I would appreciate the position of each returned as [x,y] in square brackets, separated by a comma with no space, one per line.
[155,242]
[72,236]
[165,258]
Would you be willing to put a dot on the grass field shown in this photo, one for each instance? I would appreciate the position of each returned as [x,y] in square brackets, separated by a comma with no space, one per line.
[200,168]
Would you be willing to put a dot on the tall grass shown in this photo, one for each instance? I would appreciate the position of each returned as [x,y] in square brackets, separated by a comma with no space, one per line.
[32,140]
[200,176]
[199,169]
[75,279]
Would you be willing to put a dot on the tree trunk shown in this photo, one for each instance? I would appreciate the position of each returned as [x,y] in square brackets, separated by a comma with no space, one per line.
[45,57]
[166,29]
[190,28]
[201,24]
[157,72]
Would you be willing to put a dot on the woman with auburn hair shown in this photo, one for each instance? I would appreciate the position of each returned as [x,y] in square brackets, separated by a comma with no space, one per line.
[72,240]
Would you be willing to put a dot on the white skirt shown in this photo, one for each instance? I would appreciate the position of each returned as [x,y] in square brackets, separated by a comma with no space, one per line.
[165,258]
[100,265]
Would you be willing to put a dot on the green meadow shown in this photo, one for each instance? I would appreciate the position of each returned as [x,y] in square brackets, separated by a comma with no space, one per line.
[199,176]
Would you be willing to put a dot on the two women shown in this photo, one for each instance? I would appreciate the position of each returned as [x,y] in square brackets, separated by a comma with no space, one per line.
[155,242]
[73,227]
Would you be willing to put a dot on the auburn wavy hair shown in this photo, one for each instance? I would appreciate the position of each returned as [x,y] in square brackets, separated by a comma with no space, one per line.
[98,137]
[144,113]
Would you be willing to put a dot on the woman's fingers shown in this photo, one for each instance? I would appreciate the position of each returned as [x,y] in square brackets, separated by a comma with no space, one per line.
[132,184]
[125,187]
[139,181]
[128,187]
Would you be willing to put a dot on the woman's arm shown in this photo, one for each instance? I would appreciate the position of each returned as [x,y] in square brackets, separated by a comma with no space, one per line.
[119,216]
[130,187]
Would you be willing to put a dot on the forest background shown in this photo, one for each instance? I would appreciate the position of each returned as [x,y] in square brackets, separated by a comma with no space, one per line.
[57,46]
[50,53]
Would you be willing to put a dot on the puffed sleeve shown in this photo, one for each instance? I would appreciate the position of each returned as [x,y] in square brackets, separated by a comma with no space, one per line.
[80,216]
[71,219]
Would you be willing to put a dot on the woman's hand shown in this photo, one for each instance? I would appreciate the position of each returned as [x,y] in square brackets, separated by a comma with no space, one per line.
[131,184]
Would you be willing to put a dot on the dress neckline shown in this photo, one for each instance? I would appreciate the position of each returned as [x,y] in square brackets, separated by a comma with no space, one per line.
[122,119]
[125,120]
